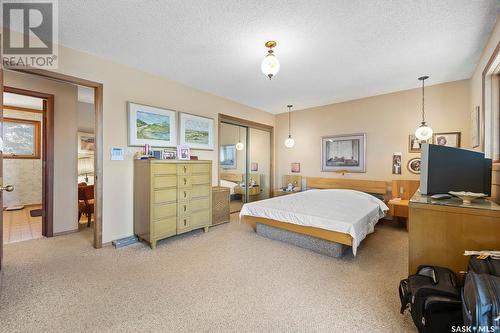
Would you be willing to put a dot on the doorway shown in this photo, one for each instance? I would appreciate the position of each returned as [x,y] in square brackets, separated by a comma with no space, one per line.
[245,160]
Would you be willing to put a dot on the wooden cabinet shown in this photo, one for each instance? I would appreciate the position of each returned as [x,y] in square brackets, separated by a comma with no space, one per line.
[439,231]
[171,197]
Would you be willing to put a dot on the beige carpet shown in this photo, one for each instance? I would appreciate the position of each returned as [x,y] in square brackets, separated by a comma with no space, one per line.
[229,279]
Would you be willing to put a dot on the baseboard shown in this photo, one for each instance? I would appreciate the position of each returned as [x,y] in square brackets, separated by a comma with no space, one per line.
[61,233]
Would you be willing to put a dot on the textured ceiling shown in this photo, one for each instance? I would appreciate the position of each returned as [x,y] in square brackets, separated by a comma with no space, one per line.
[330,50]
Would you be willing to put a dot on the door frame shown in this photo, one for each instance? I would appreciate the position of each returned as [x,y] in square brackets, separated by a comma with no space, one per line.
[47,156]
[223,118]
[98,129]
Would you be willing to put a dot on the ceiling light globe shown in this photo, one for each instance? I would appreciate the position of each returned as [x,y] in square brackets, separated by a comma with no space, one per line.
[270,65]
[240,146]
[289,143]
[424,132]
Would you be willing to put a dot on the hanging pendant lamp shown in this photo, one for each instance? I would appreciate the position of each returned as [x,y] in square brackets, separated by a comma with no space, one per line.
[289,142]
[239,145]
[270,65]
[424,131]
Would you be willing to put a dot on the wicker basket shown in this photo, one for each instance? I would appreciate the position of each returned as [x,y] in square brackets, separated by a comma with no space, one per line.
[220,205]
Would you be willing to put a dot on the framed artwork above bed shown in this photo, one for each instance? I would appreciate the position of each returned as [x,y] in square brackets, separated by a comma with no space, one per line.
[344,152]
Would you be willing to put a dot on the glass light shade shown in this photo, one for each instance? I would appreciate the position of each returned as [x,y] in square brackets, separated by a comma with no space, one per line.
[240,146]
[424,132]
[289,143]
[270,65]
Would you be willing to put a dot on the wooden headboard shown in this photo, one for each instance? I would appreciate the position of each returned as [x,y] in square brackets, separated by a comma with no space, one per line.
[368,186]
[231,177]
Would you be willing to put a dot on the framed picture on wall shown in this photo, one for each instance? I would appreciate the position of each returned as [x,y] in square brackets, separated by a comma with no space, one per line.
[196,132]
[254,166]
[295,167]
[414,165]
[227,158]
[86,143]
[451,139]
[343,153]
[397,159]
[151,125]
[414,144]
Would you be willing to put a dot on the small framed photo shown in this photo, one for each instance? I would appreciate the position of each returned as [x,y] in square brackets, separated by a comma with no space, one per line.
[450,139]
[168,154]
[414,144]
[254,166]
[414,165]
[396,163]
[183,152]
[295,167]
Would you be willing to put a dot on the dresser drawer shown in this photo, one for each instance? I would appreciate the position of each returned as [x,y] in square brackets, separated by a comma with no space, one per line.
[200,191]
[200,179]
[161,196]
[165,210]
[164,181]
[187,207]
[183,169]
[183,224]
[164,169]
[165,227]
[200,168]
[184,181]
[200,219]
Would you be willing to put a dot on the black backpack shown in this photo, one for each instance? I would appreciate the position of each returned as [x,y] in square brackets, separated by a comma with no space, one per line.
[481,295]
[433,297]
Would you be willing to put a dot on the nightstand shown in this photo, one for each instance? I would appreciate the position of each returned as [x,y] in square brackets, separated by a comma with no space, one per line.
[279,192]
[398,208]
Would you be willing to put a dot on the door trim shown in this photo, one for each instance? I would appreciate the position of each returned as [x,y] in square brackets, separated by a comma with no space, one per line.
[47,156]
[98,128]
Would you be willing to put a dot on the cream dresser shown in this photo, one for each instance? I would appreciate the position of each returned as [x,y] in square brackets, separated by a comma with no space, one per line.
[171,197]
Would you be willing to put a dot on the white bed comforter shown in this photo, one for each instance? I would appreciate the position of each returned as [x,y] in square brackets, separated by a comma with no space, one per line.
[347,211]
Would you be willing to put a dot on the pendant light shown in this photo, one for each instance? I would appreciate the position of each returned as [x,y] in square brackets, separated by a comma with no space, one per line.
[270,65]
[239,145]
[289,142]
[423,132]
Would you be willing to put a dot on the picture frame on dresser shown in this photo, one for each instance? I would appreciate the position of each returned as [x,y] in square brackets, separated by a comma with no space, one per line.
[197,132]
[151,125]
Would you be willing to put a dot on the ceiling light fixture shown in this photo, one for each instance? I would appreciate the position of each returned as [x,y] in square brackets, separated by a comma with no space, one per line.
[289,142]
[423,132]
[239,145]
[270,64]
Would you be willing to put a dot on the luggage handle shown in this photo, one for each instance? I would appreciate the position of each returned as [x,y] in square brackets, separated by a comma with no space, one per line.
[404,295]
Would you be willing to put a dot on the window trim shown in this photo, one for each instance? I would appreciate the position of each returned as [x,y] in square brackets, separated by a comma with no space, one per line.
[37,139]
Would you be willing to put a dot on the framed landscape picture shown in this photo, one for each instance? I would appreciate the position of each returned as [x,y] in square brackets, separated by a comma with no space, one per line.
[196,132]
[451,139]
[227,158]
[343,153]
[86,143]
[151,125]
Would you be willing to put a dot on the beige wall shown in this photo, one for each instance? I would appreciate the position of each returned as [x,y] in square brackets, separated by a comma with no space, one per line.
[386,119]
[260,152]
[25,174]
[65,147]
[475,84]
[122,84]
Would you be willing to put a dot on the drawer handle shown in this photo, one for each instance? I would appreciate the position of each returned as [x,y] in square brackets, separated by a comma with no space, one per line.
[185,169]
[185,181]
[185,194]
[185,222]
[184,207]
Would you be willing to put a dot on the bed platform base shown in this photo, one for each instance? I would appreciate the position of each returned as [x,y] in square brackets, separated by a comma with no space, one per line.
[321,246]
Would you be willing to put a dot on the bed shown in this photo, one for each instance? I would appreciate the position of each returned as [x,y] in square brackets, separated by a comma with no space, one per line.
[337,212]
[230,180]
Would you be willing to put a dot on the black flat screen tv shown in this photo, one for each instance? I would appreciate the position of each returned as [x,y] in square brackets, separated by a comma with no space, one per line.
[445,169]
